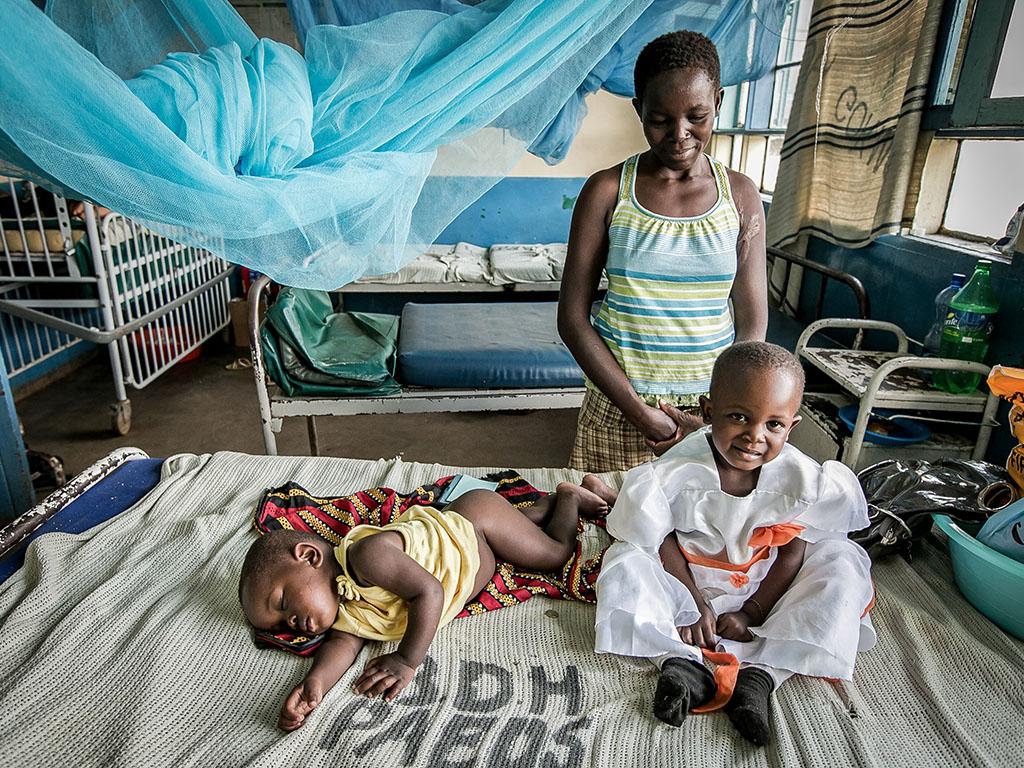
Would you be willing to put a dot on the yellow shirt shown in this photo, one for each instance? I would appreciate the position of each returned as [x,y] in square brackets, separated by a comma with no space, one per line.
[444,544]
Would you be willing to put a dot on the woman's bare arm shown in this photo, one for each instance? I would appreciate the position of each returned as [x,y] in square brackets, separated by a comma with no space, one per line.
[750,288]
[585,259]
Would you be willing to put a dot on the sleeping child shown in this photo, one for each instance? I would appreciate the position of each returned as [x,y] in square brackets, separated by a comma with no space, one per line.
[401,581]
[732,547]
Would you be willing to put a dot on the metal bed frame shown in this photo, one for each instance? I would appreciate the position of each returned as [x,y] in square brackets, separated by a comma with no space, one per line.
[275,406]
[149,299]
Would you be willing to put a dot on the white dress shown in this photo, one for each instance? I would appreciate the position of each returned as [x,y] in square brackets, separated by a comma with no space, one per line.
[816,627]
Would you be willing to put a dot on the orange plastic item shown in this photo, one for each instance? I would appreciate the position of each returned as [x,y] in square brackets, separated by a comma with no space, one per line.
[1008,383]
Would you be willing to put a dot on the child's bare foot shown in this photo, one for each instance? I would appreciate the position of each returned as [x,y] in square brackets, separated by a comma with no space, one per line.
[588,503]
[596,485]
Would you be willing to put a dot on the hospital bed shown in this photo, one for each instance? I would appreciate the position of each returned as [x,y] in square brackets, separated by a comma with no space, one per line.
[483,356]
[107,280]
[122,643]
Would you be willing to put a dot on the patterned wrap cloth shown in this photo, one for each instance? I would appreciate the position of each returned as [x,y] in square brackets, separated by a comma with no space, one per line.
[292,507]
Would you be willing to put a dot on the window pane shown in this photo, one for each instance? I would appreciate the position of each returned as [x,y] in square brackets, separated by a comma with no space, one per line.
[782,101]
[728,114]
[953,56]
[771,164]
[721,149]
[759,103]
[988,185]
[794,32]
[753,157]
[1010,73]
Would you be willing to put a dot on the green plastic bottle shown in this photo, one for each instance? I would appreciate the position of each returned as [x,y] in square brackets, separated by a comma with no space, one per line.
[967,331]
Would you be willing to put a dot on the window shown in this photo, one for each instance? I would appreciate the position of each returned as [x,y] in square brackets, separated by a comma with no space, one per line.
[752,121]
[973,179]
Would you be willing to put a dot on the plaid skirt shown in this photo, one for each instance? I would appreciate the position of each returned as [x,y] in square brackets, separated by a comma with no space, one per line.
[605,440]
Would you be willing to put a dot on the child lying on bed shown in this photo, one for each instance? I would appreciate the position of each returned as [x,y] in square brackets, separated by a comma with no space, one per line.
[401,581]
[736,542]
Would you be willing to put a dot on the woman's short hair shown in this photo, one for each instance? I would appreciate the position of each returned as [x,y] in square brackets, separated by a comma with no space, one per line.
[676,50]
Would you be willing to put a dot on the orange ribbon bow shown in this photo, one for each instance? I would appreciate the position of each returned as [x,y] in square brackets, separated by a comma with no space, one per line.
[775,535]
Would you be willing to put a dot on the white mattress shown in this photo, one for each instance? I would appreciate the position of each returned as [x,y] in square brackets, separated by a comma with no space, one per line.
[125,645]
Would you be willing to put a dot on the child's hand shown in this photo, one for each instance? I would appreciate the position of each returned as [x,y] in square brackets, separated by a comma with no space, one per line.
[385,675]
[304,698]
[735,626]
[702,632]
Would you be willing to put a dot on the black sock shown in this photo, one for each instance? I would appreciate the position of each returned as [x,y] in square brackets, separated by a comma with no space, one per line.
[748,707]
[683,684]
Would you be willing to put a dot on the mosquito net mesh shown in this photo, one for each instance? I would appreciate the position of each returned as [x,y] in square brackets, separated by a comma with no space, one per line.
[313,168]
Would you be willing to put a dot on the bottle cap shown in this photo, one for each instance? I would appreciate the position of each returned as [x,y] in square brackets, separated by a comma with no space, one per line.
[959,278]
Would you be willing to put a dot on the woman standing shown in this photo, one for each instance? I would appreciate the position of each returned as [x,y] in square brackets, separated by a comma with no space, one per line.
[679,235]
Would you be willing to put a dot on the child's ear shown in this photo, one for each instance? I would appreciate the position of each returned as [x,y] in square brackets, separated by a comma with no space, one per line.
[306,552]
[705,409]
[796,420]
[639,107]
[718,99]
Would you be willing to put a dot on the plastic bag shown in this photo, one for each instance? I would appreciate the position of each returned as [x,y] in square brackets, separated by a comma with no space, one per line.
[312,350]
[1004,531]
[902,495]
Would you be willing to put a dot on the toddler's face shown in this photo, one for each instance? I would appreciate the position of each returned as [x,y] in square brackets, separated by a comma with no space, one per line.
[751,417]
[293,597]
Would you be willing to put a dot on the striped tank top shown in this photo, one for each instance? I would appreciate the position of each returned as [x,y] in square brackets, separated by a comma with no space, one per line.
[666,315]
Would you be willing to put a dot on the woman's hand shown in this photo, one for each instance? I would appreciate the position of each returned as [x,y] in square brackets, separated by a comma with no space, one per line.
[702,632]
[735,626]
[684,422]
[304,698]
[656,426]
[386,675]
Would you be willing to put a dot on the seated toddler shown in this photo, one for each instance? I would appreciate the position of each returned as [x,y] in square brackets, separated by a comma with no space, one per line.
[401,581]
[733,546]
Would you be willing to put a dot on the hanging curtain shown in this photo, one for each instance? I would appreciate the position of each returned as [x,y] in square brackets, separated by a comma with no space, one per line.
[746,33]
[853,151]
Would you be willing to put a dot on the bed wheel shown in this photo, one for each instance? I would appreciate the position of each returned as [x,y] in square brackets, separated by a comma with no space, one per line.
[121,417]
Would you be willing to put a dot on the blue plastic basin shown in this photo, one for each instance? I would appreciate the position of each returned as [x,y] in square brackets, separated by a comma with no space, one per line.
[903,431]
[992,582]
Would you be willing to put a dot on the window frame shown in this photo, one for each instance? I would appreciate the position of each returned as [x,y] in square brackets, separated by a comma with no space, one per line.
[973,112]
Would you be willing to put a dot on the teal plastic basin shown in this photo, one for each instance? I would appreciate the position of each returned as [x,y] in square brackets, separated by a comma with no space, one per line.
[992,582]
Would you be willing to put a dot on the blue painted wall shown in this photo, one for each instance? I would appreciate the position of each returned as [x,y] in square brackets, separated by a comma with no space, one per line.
[518,210]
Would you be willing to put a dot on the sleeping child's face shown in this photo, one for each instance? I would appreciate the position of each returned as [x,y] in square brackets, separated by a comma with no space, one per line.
[751,415]
[298,594]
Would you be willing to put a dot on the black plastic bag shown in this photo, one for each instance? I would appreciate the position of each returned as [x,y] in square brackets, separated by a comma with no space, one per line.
[903,494]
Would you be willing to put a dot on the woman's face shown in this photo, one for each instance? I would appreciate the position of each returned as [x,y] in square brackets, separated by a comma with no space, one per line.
[678,115]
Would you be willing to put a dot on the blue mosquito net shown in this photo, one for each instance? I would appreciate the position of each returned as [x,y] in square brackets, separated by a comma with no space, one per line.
[315,168]
[746,34]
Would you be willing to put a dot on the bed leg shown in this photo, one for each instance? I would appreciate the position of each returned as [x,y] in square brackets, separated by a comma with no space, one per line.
[314,447]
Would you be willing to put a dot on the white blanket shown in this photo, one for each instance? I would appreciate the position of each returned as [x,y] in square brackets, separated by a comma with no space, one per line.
[126,646]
